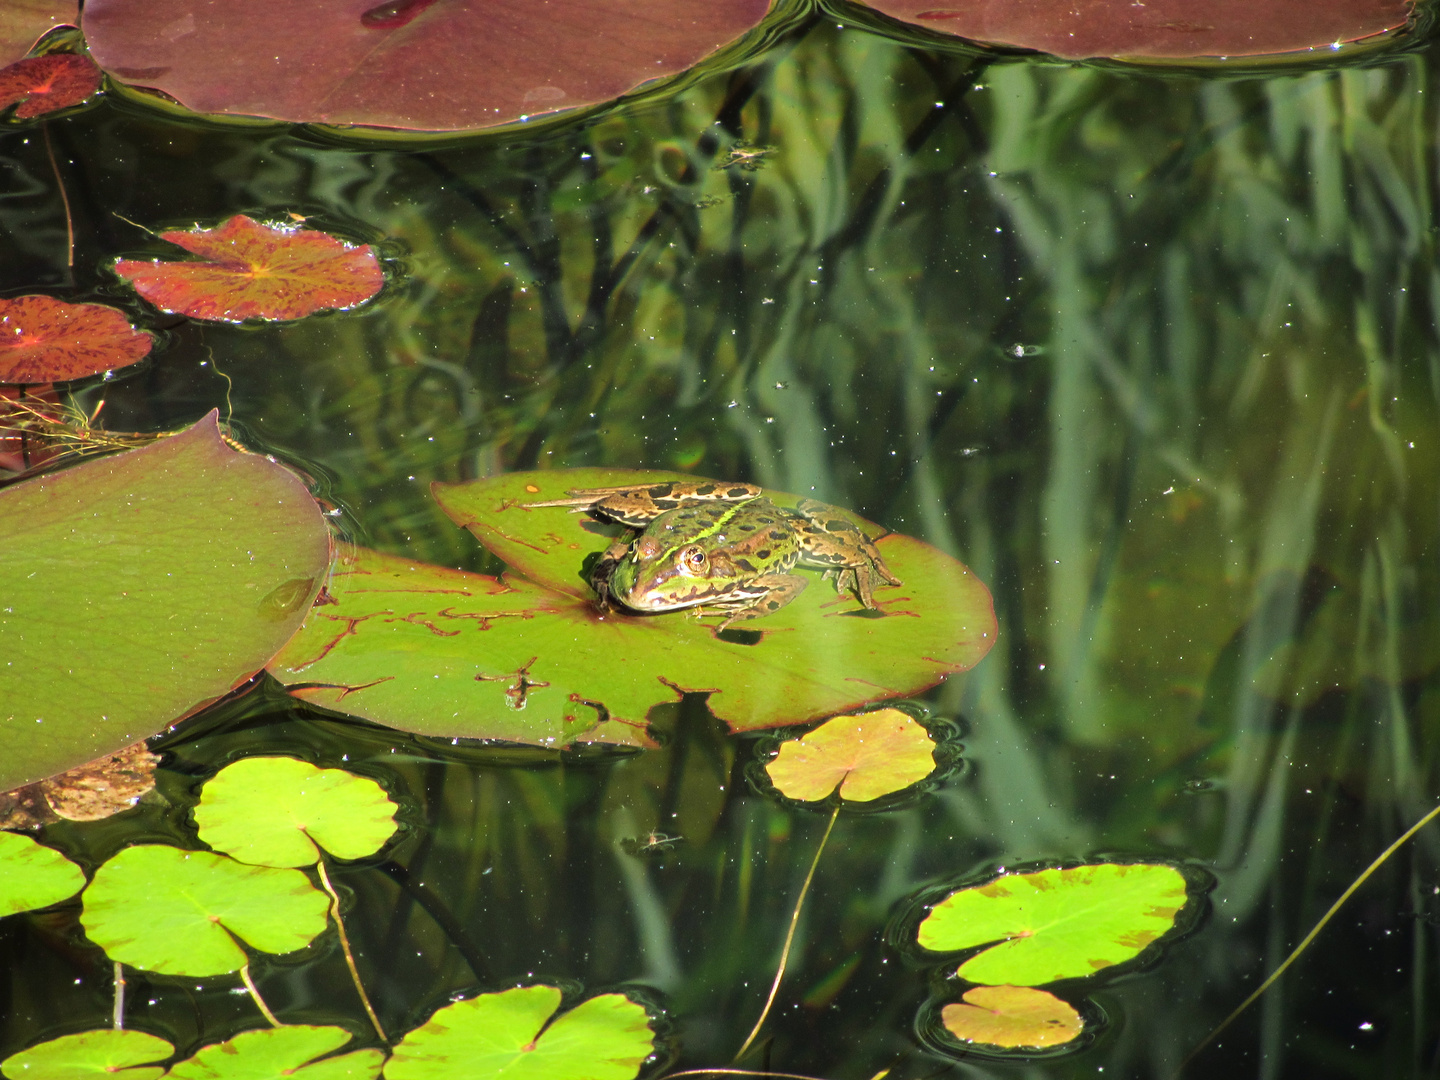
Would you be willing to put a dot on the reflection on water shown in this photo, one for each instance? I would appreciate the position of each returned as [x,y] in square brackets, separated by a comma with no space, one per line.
[1155,356]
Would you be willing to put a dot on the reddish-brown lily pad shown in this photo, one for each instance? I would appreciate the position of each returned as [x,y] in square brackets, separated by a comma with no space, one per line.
[44,340]
[455,65]
[1157,29]
[256,271]
[24,22]
[44,84]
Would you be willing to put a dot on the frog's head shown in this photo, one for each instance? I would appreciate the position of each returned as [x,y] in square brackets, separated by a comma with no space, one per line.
[653,578]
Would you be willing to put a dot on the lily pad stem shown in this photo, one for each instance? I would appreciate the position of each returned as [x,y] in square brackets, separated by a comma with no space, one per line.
[1314,932]
[117,1016]
[345,948]
[744,1072]
[64,198]
[255,996]
[790,936]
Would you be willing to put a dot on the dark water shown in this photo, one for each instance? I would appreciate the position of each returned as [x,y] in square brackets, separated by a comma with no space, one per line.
[1155,355]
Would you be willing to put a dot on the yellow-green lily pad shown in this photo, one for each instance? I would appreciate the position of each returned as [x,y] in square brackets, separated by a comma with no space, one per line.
[1012,1017]
[269,1053]
[1054,924]
[34,876]
[528,657]
[509,1034]
[163,909]
[140,587]
[277,811]
[864,756]
[106,1052]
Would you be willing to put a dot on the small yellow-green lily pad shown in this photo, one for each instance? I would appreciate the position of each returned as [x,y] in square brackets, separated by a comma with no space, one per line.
[106,1052]
[866,755]
[34,876]
[505,1035]
[163,909]
[1012,1017]
[276,810]
[1056,924]
[269,1053]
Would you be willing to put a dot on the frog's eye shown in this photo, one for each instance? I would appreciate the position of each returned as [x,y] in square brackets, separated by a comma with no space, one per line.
[692,559]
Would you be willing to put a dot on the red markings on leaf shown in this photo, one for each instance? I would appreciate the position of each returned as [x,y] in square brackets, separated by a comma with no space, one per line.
[46,340]
[43,84]
[256,271]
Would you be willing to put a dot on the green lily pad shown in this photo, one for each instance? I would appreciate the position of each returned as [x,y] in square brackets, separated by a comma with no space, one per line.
[1056,924]
[34,876]
[105,1052]
[284,1051]
[865,756]
[276,810]
[506,1034]
[528,658]
[142,586]
[1011,1017]
[163,909]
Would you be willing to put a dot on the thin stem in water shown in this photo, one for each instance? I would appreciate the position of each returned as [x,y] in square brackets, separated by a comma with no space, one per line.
[255,996]
[790,936]
[345,948]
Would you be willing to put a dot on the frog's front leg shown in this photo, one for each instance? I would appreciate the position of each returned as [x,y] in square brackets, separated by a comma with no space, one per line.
[604,570]
[639,504]
[775,591]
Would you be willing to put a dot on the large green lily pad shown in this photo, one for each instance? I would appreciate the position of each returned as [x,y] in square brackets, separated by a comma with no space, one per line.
[139,587]
[1056,924]
[530,659]
[34,876]
[106,1052]
[276,810]
[163,909]
[270,1053]
[506,1035]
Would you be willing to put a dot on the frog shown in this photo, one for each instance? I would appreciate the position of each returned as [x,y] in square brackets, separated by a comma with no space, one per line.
[721,548]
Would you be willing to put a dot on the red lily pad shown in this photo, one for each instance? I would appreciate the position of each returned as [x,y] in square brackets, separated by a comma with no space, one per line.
[256,271]
[409,64]
[44,84]
[24,22]
[1157,29]
[44,340]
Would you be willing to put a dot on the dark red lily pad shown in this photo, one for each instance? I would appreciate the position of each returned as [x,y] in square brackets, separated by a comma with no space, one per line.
[44,340]
[44,84]
[457,65]
[24,22]
[1158,29]
[257,271]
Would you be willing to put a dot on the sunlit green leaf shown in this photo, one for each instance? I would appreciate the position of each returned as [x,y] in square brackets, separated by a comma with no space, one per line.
[439,652]
[494,1035]
[172,911]
[105,1052]
[275,810]
[1056,924]
[141,586]
[34,876]
[1012,1017]
[269,1053]
[866,755]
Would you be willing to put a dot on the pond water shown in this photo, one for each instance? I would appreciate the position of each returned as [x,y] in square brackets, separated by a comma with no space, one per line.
[1153,353]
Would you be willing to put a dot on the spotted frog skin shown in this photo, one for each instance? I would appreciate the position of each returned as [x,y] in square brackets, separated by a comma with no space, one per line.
[724,547]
